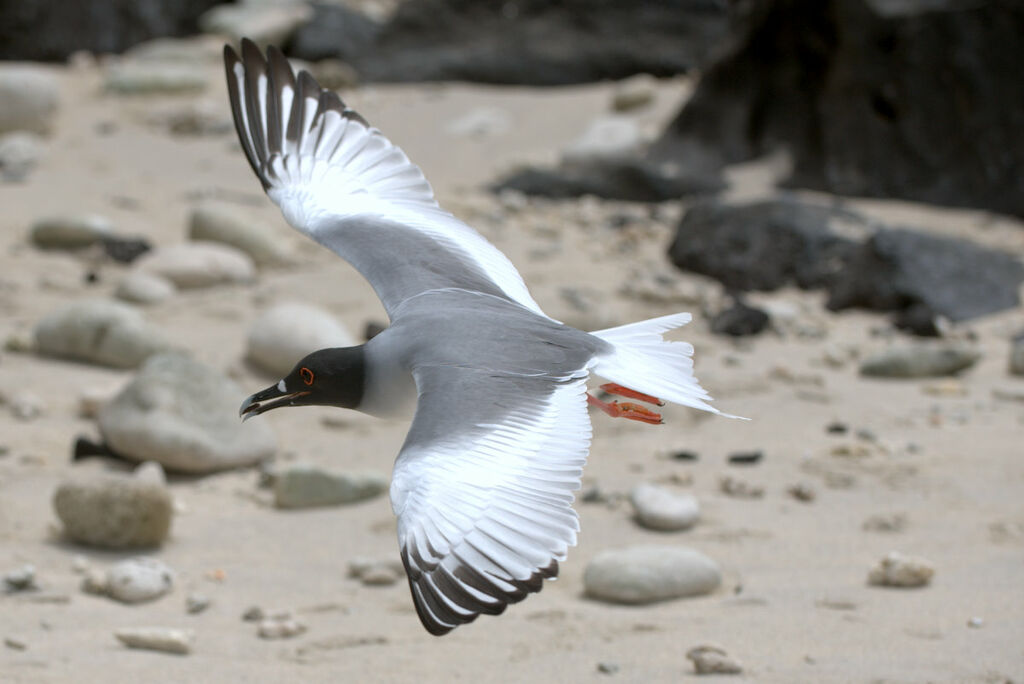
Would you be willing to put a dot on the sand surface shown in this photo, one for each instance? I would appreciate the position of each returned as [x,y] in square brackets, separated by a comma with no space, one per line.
[795,605]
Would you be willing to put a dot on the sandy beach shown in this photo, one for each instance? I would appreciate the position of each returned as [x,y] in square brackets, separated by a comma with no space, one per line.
[937,461]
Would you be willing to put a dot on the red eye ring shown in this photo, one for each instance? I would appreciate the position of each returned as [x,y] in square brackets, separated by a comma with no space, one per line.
[307,375]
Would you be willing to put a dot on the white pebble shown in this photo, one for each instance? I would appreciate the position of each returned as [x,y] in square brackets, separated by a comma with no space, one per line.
[659,509]
[166,639]
[897,570]
[710,659]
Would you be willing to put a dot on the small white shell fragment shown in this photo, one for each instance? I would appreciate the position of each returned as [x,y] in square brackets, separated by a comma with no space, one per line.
[166,639]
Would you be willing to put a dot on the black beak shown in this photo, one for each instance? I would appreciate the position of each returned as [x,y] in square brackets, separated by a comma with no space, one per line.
[269,398]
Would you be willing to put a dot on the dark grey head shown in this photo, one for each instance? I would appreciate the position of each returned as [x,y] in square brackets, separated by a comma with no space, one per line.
[328,377]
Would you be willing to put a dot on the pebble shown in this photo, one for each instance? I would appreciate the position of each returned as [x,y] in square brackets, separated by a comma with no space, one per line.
[286,332]
[659,509]
[976,622]
[98,331]
[184,415]
[740,489]
[376,572]
[71,231]
[895,522]
[115,511]
[26,406]
[635,92]
[897,570]
[1017,356]
[223,224]
[146,77]
[609,137]
[801,491]
[19,153]
[15,644]
[920,361]
[199,264]
[165,639]
[740,320]
[196,603]
[92,399]
[710,659]
[80,565]
[144,288]
[263,22]
[305,486]
[746,457]
[138,580]
[607,668]
[253,614]
[645,574]
[21,579]
[28,98]
[280,626]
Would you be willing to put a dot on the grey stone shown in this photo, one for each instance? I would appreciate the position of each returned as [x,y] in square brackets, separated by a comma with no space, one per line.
[306,486]
[196,603]
[165,639]
[115,511]
[183,415]
[225,225]
[920,361]
[140,287]
[287,331]
[263,22]
[1017,356]
[73,231]
[898,570]
[660,509]
[280,627]
[606,138]
[19,153]
[634,92]
[199,264]
[138,580]
[98,331]
[710,659]
[21,579]
[28,98]
[153,77]
[645,574]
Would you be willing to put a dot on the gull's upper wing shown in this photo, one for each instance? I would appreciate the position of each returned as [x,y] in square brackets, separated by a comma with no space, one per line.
[344,184]
[483,488]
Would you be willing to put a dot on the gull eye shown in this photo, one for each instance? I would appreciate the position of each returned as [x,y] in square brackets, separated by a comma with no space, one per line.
[307,375]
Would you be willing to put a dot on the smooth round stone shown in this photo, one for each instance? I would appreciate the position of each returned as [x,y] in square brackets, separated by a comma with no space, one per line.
[645,574]
[115,511]
[183,415]
[137,580]
[98,331]
[199,264]
[920,361]
[140,287]
[70,232]
[307,486]
[28,98]
[19,153]
[222,224]
[151,77]
[659,509]
[286,332]
[1017,357]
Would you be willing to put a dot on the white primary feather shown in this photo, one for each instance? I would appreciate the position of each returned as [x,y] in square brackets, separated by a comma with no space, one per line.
[338,168]
[482,522]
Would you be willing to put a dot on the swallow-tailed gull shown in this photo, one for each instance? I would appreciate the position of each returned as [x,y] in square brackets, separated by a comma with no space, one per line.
[483,485]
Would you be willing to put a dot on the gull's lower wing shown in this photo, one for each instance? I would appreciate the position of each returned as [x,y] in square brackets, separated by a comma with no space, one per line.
[483,488]
[344,184]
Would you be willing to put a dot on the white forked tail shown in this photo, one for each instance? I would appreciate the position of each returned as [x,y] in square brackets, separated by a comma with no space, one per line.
[644,361]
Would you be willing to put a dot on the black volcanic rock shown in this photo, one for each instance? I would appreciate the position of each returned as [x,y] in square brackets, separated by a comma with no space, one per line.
[915,99]
[50,30]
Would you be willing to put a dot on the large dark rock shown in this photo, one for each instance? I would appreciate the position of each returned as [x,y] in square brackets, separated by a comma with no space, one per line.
[532,42]
[770,244]
[630,179]
[915,99]
[764,245]
[898,269]
[50,30]
[335,31]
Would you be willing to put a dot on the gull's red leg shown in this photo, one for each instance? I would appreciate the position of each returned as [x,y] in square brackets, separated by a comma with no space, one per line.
[626,410]
[612,388]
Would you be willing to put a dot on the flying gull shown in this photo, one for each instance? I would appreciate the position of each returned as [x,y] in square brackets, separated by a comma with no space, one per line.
[483,485]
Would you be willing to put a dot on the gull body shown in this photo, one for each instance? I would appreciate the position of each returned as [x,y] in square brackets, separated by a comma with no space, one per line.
[483,485]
